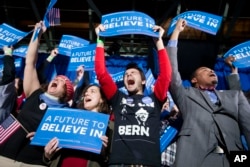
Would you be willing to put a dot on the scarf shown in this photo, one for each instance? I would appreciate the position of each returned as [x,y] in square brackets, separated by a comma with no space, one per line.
[52,101]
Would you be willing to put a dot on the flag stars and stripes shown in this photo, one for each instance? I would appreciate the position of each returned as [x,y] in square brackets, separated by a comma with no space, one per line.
[8,127]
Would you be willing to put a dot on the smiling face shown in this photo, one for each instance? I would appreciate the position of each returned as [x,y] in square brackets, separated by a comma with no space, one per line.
[92,99]
[204,77]
[133,81]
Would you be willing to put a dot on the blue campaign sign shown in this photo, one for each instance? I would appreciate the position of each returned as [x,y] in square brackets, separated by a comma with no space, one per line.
[128,22]
[82,56]
[75,129]
[118,77]
[51,4]
[18,63]
[9,35]
[167,136]
[165,112]
[124,90]
[150,81]
[241,53]
[93,77]
[46,21]
[69,42]
[21,51]
[203,21]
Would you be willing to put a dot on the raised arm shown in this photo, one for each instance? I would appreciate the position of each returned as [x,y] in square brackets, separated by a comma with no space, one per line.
[44,65]
[31,81]
[233,79]
[8,66]
[107,84]
[176,81]
[165,70]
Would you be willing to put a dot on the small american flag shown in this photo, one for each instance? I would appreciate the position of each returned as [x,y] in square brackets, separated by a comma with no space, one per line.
[54,16]
[8,127]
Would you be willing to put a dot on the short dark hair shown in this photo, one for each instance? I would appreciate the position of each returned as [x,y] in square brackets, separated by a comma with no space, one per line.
[135,66]
[193,75]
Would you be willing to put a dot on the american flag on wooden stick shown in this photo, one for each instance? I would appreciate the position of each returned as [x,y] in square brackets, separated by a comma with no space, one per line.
[8,127]
[54,17]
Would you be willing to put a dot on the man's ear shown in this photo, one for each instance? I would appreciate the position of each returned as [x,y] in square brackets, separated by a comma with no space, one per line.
[193,81]
[144,82]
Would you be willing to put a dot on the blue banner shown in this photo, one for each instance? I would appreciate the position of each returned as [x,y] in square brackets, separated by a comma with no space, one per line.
[21,51]
[69,42]
[82,56]
[9,35]
[75,129]
[165,112]
[241,53]
[126,23]
[45,18]
[150,81]
[167,136]
[18,63]
[202,21]
[124,90]
[118,77]
[51,4]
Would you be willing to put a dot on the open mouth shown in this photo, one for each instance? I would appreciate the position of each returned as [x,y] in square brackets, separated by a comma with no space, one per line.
[212,75]
[54,85]
[87,99]
[131,82]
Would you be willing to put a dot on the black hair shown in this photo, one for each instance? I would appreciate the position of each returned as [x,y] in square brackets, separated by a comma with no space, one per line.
[193,75]
[135,66]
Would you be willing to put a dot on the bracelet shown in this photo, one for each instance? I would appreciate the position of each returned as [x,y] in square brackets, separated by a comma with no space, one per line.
[50,58]
[99,41]
[8,52]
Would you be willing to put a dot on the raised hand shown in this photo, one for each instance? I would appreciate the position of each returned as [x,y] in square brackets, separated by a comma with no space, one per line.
[99,28]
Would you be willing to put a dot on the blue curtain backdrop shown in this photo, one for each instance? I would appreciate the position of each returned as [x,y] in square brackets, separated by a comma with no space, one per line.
[59,65]
[118,63]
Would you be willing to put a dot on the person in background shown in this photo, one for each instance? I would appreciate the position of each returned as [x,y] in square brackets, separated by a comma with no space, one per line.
[42,77]
[7,85]
[170,120]
[20,95]
[79,76]
[136,116]
[92,99]
[234,79]
[17,150]
[212,120]
[80,82]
